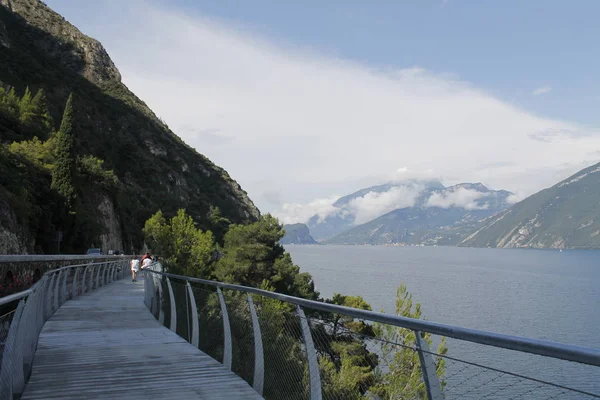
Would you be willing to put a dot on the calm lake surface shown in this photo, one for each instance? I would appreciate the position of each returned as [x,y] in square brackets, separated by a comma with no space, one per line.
[543,294]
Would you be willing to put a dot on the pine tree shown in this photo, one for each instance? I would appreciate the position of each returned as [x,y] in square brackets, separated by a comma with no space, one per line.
[9,103]
[41,123]
[64,154]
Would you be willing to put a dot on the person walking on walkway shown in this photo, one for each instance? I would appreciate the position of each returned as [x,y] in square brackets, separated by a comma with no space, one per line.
[135,267]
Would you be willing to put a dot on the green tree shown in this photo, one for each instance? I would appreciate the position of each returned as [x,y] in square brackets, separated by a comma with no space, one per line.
[64,154]
[218,224]
[252,254]
[404,380]
[25,106]
[347,366]
[36,118]
[94,168]
[37,152]
[184,249]
[9,103]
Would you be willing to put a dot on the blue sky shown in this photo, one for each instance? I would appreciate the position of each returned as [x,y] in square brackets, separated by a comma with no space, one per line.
[509,48]
[306,101]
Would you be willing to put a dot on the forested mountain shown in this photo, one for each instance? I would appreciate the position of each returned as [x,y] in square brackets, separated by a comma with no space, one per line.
[124,163]
[566,215]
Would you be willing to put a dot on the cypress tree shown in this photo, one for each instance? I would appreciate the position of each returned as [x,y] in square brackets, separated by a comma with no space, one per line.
[64,155]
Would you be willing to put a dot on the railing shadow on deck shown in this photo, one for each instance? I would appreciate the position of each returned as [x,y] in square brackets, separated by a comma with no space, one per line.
[30,309]
[289,348]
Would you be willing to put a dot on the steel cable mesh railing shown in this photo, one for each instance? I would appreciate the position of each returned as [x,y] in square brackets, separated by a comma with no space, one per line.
[242,338]
[182,309]
[378,367]
[303,351]
[475,371]
[210,319]
[285,361]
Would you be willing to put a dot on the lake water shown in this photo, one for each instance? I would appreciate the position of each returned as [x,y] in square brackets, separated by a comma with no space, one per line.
[543,294]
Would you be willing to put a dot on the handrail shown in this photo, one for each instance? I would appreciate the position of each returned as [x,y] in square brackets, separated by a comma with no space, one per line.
[15,296]
[61,257]
[546,348]
[27,292]
[78,266]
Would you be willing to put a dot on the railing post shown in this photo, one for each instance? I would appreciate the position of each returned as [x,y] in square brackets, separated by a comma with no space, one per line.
[98,276]
[195,340]
[161,313]
[311,355]
[150,277]
[11,373]
[104,273]
[74,286]
[428,369]
[64,288]
[56,292]
[226,331]
[173,322]
[259,365]
[49,293]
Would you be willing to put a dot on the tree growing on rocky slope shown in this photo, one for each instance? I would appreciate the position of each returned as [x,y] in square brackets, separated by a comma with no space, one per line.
[64,154]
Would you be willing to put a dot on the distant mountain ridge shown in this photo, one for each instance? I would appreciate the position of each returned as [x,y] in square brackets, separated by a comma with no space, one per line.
[566,215]
[428,205]
[343,218]
[442,217]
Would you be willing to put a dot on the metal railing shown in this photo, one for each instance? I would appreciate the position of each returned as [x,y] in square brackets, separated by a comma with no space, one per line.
[20,328]
[292,348]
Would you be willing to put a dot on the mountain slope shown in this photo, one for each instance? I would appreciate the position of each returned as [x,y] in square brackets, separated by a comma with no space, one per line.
[566,215]
[438,215]
[297,234]
[155,168]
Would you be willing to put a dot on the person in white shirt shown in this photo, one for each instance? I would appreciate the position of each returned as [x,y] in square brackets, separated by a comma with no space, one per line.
[147,261]
[135,267]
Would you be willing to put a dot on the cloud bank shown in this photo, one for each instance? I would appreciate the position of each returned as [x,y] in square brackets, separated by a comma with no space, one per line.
[283,120]
[459,198]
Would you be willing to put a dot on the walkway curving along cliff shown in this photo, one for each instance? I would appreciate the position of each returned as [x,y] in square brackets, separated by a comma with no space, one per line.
[107,345]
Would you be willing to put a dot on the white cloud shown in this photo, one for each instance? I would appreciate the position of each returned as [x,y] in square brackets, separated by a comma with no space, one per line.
[460,198]
[291,213]
[288,119]
[541,90]
[514,198]
[374,204]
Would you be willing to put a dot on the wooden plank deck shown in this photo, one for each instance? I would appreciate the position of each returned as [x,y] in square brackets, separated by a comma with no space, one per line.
[107,345]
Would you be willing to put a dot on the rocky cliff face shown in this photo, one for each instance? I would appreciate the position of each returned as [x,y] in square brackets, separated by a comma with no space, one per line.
[155,168]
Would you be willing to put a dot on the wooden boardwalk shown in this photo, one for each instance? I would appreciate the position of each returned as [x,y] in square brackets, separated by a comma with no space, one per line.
[107,345]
